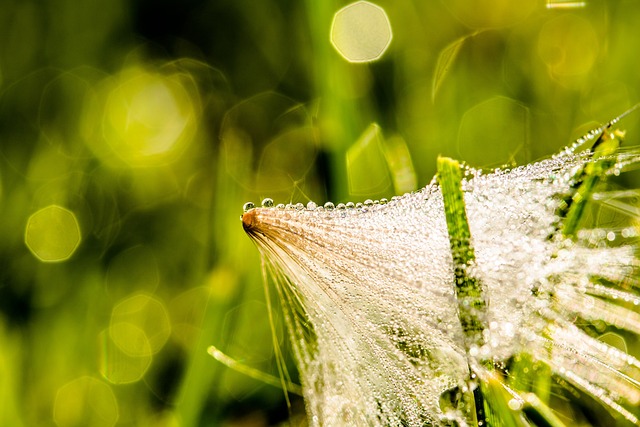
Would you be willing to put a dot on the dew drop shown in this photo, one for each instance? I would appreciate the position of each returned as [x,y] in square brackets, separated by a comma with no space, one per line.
[248,206]
[329,205]
[280,206]
[368,202]
[267,203]
[350,205]
[311,206]
[341,206]
[629,232]
[515,404]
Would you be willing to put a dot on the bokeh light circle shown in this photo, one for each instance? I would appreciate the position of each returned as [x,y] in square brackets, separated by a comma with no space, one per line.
[361,32]
[145,117]
[128,360]
[137,319]
[568,45]
[52,234]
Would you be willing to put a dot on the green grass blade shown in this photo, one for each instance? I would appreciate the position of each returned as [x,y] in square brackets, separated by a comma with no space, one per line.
[539,413]
[588,178]
[500,401]
[471,303]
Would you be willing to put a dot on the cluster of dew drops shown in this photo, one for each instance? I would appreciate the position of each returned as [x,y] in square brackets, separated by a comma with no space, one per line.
[312,206]
[468,173]
[268,202]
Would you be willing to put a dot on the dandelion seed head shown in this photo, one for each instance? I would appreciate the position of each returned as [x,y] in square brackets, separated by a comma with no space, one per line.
[372,310]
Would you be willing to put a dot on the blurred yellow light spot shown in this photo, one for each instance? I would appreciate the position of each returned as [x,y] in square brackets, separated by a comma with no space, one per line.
[85,401]
[128,365]
[568,45]
[140,325]
[148,118]
[565,4]
[52,234]
[361,32]
[130,339]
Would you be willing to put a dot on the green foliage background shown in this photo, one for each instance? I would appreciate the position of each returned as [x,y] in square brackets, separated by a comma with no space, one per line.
[152,122]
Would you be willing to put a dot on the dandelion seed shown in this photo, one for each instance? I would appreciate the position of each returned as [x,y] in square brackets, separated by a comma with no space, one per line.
[372,300]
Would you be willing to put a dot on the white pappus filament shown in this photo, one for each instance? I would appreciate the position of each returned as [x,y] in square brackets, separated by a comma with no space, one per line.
[370,306]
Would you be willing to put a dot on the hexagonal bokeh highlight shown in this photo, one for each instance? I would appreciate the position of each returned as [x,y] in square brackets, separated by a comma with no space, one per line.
[124,365]
[361,32]
[149,118]
[140,325]
[52,234]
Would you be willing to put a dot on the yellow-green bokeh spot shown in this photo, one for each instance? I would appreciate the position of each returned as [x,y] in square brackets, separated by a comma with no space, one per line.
[128,365]
[52,234]
[361,32]
[85,401]
[569,46]
[140,325]
[146,118]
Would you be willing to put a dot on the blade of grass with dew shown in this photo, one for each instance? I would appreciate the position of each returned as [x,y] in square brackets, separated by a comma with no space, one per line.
[471,304]
[536,377]
[603,160]
[468,290]
[491,395]
[374,319]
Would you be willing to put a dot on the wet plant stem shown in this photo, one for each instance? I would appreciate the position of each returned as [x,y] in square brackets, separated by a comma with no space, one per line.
[471,303]
[586,181]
